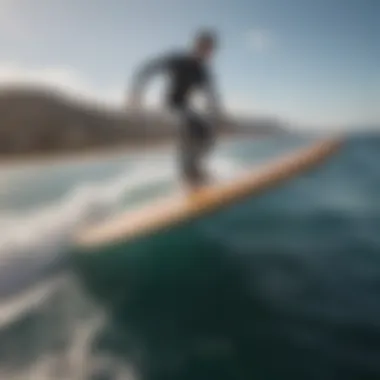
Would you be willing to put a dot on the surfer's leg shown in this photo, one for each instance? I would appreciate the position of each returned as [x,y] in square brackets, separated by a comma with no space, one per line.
[196,143]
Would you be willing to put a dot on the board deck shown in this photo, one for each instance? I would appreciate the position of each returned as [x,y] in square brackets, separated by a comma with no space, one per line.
[167,212]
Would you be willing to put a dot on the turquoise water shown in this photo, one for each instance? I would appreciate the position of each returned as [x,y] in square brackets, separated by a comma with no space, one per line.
[284,285]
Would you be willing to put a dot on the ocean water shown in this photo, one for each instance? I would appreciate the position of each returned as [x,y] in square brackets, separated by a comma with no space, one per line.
[282,285]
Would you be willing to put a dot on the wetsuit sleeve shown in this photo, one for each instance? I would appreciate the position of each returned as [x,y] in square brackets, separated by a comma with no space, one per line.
[148,70]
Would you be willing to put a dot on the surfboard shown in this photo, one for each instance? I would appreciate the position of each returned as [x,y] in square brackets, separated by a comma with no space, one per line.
[177,208]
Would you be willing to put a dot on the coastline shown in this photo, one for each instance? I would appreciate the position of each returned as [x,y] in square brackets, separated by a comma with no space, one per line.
[25,160]
[88,154]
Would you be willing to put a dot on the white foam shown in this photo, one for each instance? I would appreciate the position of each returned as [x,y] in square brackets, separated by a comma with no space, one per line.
[44,234]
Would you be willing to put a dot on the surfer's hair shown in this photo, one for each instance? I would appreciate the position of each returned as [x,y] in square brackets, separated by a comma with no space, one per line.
[206,37]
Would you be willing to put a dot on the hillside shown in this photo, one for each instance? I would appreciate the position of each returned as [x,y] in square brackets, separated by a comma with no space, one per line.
[35,121]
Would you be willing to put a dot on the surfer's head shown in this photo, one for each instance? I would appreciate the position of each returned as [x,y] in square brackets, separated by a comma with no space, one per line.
[205,44]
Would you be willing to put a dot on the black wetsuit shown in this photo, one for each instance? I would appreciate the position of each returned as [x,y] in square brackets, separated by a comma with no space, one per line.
[186,74]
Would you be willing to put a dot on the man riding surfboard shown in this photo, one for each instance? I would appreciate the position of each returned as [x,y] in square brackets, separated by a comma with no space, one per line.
[187,72]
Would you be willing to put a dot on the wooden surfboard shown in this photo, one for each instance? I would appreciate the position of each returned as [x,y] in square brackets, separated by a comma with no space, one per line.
[167,212]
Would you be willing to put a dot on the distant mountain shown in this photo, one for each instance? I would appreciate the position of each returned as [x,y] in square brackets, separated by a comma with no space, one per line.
[34,121]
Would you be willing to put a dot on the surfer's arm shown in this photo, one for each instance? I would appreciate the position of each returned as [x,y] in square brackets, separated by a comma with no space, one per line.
[146,72]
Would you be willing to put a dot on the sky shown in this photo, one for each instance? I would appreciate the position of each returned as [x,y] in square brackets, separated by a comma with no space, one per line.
[315,63]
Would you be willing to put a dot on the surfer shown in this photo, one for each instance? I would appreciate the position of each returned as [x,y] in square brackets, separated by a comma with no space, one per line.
[187,72]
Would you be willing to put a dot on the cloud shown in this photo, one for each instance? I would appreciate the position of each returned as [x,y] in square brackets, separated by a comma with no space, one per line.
[259,39]
[70,82]
[63,79]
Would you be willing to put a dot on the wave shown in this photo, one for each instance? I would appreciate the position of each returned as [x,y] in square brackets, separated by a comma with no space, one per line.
[33,243]
[292,276]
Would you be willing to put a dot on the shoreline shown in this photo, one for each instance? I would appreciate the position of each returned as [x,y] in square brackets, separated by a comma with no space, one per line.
[25,160]
[37,159]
